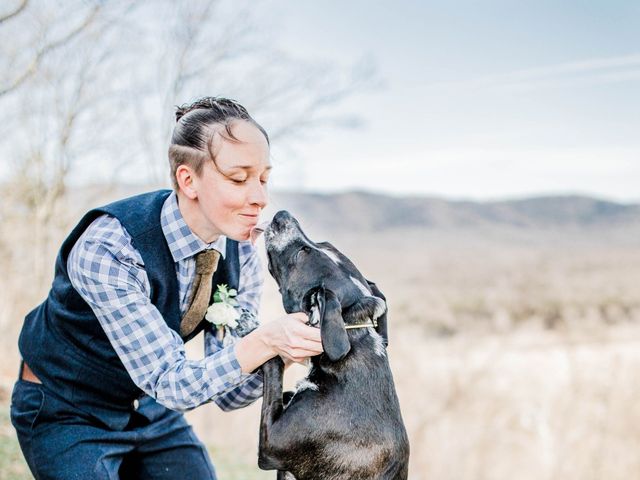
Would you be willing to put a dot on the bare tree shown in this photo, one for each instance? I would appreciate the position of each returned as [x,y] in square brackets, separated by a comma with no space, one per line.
[15,12]
[55,110]
[204,55]
[43,47]
[90,87]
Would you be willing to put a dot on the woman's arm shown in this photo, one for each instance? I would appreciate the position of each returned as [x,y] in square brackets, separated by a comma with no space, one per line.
[109,274]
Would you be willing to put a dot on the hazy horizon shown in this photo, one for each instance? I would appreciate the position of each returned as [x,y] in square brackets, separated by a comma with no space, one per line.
[464,100]
[478,100]
[144,186]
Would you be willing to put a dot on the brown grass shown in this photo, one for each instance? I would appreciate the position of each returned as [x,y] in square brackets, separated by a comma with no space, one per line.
[510,361]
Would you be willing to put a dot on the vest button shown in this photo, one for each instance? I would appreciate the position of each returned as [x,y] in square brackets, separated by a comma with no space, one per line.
[135,404]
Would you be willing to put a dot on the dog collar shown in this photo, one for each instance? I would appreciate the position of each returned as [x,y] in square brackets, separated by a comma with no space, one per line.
[371,323]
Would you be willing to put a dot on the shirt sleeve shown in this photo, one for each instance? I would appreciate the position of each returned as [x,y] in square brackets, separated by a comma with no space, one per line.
[109,274]
[249,293]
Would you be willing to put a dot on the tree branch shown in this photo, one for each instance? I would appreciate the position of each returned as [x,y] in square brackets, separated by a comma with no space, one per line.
[10,15]
[33,66]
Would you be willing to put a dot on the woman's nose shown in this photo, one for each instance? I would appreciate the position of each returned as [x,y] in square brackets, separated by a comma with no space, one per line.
[258,194]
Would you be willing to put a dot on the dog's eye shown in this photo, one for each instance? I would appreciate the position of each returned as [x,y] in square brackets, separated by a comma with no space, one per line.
[300,253]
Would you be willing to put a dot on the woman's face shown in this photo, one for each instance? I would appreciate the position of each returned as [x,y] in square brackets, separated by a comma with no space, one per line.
[232,192]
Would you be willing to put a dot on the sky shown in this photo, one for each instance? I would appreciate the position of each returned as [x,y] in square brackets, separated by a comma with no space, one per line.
[477,100]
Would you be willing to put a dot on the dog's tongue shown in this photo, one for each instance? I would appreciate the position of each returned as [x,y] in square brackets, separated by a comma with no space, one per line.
[257,231]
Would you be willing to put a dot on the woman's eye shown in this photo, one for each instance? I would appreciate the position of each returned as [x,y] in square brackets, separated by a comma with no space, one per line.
[238,180]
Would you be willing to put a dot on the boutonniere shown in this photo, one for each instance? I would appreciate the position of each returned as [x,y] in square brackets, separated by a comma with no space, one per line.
[222,312]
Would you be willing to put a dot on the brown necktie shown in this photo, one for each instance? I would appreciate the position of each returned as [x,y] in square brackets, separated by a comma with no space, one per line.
[206,264]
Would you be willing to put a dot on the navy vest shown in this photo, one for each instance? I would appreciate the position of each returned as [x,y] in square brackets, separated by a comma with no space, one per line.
[62,340]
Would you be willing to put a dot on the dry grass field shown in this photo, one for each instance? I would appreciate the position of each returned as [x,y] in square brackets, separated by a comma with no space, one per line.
[512,360]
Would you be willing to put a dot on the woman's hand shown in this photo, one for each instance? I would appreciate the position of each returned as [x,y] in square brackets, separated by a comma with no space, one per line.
[292,339]
[287,336]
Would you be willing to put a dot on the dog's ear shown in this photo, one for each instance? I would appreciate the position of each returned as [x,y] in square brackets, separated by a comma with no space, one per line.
[324,304]
[382,319]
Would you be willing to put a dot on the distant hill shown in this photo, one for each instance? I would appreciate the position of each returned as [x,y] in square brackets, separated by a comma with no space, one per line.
[576,219]
[358,211]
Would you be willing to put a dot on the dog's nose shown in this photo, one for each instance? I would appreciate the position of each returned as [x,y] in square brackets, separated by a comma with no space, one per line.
[281,218]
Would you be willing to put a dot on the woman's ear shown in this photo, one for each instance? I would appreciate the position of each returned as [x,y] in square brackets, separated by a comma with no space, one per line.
[184,178]
[324,305]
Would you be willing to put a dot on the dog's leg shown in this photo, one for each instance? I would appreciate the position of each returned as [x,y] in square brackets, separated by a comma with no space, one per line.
[272,407]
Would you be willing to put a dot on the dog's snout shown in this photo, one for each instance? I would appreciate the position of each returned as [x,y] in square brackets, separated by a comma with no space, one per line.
[281,218]
[282,222]
[282,231]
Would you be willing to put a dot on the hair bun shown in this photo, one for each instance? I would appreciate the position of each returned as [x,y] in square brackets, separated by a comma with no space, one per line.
[226,107]
[180,112]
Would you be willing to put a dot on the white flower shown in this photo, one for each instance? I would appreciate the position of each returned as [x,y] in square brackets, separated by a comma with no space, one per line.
[221,313]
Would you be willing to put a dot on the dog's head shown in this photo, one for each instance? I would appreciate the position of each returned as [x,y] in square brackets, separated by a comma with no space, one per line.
[317,279]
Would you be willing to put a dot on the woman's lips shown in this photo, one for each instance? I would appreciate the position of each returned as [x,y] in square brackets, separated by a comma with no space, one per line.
[251,218]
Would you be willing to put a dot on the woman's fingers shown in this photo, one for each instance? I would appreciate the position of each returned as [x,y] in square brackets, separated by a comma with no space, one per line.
[304,350]
[304,330]
[299,355]
[314,348]
[308,333]
[297,340]
[300,316]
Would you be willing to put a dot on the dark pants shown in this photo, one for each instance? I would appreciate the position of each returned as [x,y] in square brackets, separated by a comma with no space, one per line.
[59,442]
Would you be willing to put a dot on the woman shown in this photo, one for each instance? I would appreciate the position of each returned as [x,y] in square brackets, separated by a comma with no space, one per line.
[104,373]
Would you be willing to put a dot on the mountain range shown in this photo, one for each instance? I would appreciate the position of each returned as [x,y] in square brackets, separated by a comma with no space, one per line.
[361,211]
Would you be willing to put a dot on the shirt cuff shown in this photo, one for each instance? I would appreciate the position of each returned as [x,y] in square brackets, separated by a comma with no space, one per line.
[225,370]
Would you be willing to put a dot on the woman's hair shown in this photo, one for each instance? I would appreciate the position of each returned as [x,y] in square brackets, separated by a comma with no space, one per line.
[196,127]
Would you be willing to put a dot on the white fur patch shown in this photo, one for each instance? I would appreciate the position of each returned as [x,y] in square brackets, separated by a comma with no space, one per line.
[378,343]
[305,384]
[331,255]
[361,287]
[281,240]
[381,308]
[314,319]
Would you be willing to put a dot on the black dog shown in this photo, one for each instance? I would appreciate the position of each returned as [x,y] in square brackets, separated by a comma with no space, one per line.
[343,421]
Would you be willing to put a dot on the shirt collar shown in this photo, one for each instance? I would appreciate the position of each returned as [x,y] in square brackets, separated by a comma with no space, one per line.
[183,243]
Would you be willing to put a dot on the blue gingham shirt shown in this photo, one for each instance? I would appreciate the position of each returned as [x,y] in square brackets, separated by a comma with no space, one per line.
[109,274]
